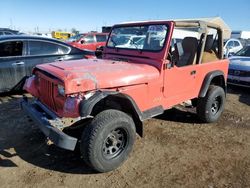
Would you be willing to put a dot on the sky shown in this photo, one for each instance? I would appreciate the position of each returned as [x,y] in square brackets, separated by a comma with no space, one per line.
[86,15]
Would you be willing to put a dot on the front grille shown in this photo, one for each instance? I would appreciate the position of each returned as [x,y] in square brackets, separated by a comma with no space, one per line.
[238,82]
[47,93]
[239,73]
[231,72]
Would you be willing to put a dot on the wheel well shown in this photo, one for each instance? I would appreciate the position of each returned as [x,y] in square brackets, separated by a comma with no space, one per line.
[119,103]
[213,78]
[219,81]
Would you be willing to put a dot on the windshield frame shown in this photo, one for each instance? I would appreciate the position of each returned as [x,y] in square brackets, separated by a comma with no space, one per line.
[139,25]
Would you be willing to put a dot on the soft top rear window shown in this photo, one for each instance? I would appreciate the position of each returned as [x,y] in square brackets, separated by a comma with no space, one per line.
[143,37]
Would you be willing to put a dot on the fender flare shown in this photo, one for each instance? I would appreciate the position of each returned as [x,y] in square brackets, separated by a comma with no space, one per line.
[86,106]
[207,81]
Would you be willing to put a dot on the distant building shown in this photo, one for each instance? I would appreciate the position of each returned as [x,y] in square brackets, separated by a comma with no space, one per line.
[240,34]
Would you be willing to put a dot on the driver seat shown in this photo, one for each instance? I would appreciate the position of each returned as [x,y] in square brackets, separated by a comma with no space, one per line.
[187,55]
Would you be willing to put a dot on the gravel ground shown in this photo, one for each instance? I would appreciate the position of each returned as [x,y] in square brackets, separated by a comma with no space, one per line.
[176,151]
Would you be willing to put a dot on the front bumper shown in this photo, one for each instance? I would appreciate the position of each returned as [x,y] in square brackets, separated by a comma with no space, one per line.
[238,80]
[43,116]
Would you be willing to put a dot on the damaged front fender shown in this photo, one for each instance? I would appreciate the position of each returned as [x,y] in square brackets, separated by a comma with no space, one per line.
[86,106]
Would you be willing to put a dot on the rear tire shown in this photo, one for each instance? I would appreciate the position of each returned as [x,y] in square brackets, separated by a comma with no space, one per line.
[210,107]
[107,141]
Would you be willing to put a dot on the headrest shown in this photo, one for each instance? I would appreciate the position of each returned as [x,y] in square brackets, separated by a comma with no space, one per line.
[189,44]
[209,43]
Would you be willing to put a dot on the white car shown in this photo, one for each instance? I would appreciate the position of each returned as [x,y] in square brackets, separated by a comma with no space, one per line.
[231,46]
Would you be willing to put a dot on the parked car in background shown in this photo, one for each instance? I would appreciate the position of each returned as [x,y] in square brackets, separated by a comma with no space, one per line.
[7,31]
[89,41]
[20,53]
[239,68]
[231,46]
[240,34]
[43,35]
[61,35]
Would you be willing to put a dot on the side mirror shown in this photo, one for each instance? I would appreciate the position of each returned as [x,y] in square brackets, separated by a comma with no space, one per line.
[169,65]
[100,48]
[82,41]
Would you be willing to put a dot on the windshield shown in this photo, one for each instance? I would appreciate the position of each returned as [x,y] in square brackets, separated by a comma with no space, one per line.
[75,38]
[145,37]
[244,52]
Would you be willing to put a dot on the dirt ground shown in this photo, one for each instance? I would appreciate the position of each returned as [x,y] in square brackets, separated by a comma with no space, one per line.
[176,151]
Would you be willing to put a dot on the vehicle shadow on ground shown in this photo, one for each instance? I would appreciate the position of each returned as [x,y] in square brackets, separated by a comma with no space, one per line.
[21,137]
[181,115]
[243,92]
[33,149]
[6,162]
[7,97]
[53,158]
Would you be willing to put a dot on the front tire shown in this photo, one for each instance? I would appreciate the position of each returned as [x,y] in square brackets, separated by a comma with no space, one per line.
[107,140]
[210,107]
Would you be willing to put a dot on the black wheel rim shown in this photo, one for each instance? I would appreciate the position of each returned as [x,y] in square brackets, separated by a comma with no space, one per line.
[216,105]
[115,143]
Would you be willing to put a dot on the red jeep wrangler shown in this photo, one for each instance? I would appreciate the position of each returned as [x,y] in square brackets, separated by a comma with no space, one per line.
[143,72]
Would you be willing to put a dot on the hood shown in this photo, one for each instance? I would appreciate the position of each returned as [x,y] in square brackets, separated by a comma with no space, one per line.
[86,75]
[239,63]
[72,43]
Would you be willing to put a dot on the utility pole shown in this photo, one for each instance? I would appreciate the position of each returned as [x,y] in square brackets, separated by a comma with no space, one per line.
[11,24]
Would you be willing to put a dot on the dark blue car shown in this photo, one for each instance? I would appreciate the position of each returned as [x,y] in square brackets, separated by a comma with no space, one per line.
[20,53]
[239,68]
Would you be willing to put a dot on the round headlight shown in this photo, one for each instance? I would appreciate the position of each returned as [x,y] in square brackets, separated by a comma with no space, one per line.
[61,90]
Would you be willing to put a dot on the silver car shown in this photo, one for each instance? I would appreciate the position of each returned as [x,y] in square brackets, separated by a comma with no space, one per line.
[239,68]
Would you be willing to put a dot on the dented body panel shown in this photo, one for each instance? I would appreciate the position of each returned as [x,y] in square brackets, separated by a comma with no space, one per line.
[140,82]
[80,76]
